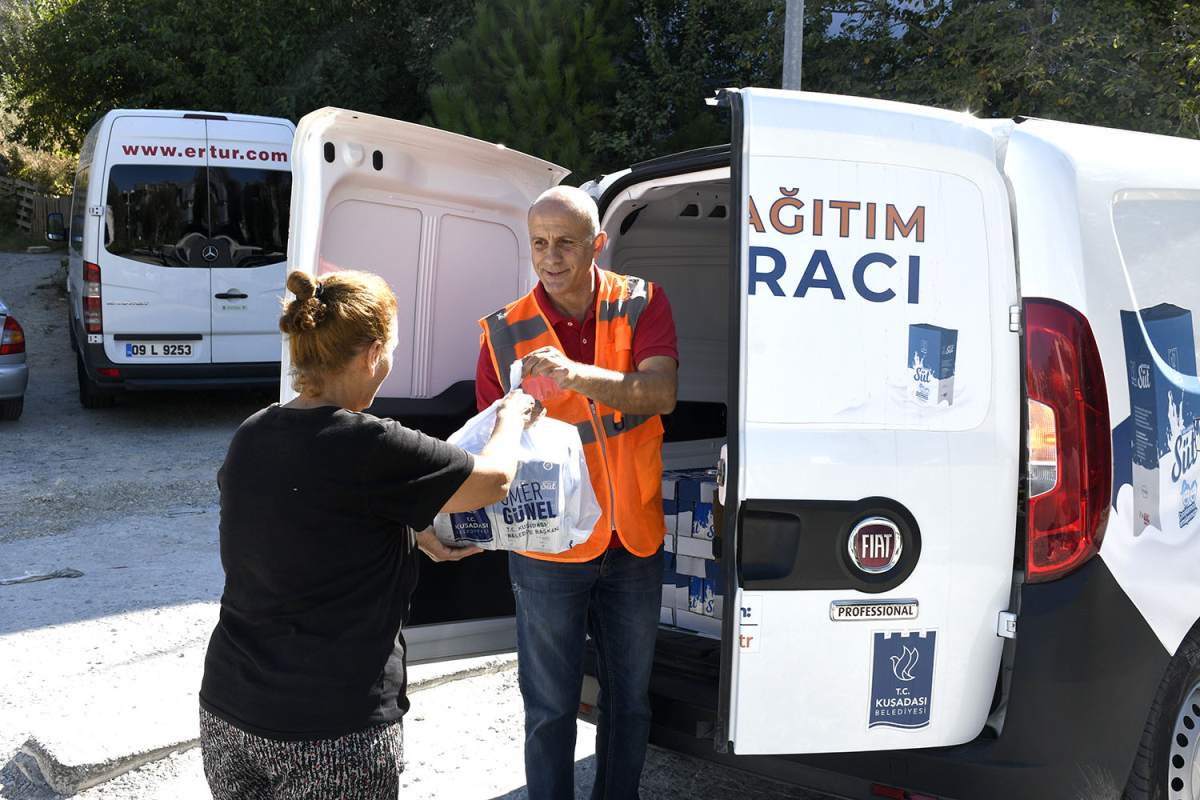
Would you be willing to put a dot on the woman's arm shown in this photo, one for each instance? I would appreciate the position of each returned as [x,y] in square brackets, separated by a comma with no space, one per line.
[496,466]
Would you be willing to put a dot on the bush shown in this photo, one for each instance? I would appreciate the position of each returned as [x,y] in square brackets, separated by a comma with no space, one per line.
[53,170]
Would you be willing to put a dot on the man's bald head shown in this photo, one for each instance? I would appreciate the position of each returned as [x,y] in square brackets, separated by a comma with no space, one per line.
[573,201]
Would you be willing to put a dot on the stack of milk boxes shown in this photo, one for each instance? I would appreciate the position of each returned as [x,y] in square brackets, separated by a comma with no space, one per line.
[692,585]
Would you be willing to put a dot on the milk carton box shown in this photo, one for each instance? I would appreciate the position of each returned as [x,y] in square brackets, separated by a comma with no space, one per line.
[702,521]
[687,596]
[684,521]
[1163,417]
[714,583]
[668,580]
[669,577]
[696,595]
[670,517]
[695,547]
[931,354]
[694,493]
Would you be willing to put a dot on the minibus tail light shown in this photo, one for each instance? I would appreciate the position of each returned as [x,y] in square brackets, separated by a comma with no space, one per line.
[93,318]
[1069,441]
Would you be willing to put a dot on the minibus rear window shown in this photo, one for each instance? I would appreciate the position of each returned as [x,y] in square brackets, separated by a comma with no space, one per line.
[168,215]
[250,206]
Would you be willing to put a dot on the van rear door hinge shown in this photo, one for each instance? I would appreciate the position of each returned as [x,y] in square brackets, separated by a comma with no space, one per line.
[1006,626]
[94,211]
[1014,319]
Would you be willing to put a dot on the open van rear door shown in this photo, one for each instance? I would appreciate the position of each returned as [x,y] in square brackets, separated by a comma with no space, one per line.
[442,218]
[873,463]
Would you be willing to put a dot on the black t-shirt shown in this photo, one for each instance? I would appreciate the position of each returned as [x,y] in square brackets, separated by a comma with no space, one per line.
[318,509]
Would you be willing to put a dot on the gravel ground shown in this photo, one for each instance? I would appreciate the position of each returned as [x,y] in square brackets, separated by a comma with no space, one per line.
[155,449]
[128,496]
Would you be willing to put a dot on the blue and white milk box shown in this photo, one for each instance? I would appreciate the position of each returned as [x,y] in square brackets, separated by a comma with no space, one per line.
[931,354]
[670,517]
[669,576]
[696,595]
[688,568]
[715,582]
[1163,417]
[668,580]
[702,521]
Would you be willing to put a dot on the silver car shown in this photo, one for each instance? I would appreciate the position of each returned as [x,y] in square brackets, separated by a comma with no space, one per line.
[14,374]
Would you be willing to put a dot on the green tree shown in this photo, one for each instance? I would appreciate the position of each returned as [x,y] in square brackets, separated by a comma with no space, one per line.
[684,52]
[1129,64]
[65,62]
[538,76]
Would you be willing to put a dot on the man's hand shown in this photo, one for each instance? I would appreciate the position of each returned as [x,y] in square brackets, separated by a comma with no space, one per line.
[437,551]
[650,389]
[549,361]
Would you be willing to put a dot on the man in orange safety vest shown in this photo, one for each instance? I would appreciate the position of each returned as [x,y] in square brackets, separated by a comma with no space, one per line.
[608,343]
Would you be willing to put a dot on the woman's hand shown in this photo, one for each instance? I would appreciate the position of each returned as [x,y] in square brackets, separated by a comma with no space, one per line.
[437,551]
[519,404]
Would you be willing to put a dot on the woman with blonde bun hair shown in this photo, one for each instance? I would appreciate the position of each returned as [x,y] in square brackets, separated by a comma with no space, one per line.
[304,679]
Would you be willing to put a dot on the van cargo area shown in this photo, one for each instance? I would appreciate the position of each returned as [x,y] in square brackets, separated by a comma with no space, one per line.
[669,223]
[936,394]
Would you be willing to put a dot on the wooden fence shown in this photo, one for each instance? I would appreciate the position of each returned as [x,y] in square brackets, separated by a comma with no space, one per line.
[33,204]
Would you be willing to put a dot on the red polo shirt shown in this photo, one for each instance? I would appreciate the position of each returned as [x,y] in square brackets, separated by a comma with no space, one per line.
[653,336]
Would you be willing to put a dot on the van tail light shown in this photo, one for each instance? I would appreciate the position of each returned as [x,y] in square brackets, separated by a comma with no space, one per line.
[1069,441]
[12,338]
[93,318]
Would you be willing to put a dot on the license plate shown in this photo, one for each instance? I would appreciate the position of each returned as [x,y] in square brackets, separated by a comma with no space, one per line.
[156,349]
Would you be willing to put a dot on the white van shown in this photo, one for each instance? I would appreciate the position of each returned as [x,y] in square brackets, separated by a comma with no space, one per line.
[953,368]
[177,243]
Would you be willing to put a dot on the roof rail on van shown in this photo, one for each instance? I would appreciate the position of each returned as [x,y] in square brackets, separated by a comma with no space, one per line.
[718,152]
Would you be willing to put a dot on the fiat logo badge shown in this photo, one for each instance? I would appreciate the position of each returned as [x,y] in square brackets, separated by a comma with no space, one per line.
[875,545]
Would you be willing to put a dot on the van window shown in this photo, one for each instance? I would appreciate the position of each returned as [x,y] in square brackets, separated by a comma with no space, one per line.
[250,206]
[159,214]
[79,208]
[151,208]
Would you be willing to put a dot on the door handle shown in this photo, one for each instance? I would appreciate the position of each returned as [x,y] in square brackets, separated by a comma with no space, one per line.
[231,296]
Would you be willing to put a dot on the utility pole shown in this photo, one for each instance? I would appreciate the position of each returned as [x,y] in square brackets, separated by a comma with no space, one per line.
[793,43]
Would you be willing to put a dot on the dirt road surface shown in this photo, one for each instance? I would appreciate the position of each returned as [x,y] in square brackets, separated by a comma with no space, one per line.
[108,662]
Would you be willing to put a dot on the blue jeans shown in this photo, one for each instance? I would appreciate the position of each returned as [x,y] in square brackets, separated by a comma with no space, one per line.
[615,598]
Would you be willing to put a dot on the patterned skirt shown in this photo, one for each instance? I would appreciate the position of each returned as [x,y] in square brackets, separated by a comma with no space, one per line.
[365,765]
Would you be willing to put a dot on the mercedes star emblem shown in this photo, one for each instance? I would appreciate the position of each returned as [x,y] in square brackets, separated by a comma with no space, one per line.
[209,253]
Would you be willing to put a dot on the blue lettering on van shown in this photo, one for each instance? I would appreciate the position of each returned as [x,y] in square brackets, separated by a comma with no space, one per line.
[820,260]
[820,273]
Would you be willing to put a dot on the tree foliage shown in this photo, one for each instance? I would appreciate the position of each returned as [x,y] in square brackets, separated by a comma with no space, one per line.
[63,63]
[685,51]
[591,84]
[536,75]
[1122,63]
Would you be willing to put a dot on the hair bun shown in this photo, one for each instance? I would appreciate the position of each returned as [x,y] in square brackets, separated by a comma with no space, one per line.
[301,285]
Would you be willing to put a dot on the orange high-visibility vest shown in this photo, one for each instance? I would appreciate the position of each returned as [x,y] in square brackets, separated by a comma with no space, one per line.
[623,451]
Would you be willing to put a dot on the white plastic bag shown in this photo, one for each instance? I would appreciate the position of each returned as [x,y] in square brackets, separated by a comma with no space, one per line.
[551,506]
